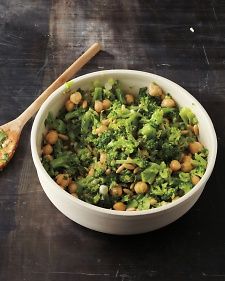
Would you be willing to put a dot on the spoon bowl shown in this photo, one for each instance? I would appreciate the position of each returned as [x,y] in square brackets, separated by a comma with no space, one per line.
[12,131]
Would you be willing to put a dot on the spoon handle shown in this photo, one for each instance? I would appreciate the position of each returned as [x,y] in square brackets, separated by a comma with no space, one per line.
[65,76]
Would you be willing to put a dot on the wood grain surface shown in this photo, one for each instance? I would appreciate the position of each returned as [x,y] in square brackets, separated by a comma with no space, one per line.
[181,40]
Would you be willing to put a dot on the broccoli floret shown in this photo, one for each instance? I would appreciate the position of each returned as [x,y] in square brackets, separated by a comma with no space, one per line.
[49,121]
[55,123]
[61,162]
[144,203]
[85,156]
[66,160]
[98,92]
[98,170]
[88,120]
[118,111]
[157,117]
[164,171]
[76,114]
[188,116]
[150,173]
[184,177]
[199,160]
[171,114]
[148,131]
[48,167]
[126,145]
[120,95]
[162,191]
[88,188]
[133,203]
[146,103]
[60,126]
[58,148]
[142,93]
[185,187]
[169,152]
[126,177]
[104,138]
[73,130]
[174,135]
[148,144]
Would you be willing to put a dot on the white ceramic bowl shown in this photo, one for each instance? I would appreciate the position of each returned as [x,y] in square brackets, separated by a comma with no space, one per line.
[111,221]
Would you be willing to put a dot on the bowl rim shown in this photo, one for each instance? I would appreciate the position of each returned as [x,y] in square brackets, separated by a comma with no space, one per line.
[167,207]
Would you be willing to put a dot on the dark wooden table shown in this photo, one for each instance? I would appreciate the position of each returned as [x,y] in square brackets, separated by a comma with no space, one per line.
[181,40]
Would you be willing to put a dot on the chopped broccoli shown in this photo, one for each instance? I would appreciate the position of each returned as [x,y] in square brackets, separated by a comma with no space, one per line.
[88,120]
[157,117]
[3,136]
[149,174]
[97,95]
[127,146]
[64,161]
[148,130]
[120,95]
[188,116]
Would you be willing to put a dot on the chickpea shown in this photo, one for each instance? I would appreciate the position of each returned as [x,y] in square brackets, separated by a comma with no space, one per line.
[69,105]
[76,98]
[129,99]
[84,104]
[155,90]
[141,187]
[195,147]
[175,165]
[119,206]
[186,166]
[116,191]
[47,149]
[72,187]
[168,102]
[186,158]
[195,179]
[51,137]
[106,104]
[101,129]
[63,180]
[98,106]
[103,158]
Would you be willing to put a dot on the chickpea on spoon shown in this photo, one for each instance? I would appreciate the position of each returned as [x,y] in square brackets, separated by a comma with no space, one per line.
[10,132]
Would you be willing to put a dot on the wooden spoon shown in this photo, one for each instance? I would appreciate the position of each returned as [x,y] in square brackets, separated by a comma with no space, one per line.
[10,132]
